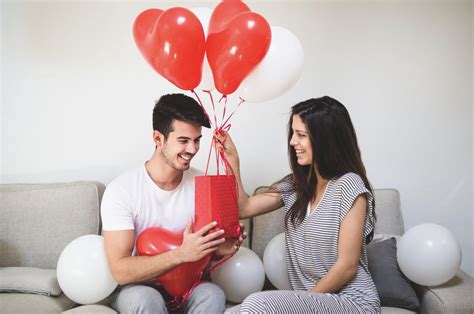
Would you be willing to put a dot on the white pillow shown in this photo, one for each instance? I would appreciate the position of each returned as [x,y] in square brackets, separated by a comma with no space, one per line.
[29,280]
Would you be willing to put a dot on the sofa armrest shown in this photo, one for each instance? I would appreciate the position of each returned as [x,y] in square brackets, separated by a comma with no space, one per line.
[455,296]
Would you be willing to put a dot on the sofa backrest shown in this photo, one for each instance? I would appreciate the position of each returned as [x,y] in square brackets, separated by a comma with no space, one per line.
[387,209]
[39,220]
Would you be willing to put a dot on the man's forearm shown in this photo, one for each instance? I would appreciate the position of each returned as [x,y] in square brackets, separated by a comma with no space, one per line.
[133,269]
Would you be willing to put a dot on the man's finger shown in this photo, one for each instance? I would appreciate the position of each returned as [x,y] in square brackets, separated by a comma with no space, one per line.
[214,235]
[206,228]
[214,243]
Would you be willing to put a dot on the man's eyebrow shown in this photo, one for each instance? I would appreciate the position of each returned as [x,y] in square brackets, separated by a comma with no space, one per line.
[188,138]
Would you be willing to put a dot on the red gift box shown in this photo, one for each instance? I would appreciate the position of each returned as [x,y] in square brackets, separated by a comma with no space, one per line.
[216,200]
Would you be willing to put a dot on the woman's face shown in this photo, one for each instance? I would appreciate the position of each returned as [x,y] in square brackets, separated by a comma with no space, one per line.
[301,142]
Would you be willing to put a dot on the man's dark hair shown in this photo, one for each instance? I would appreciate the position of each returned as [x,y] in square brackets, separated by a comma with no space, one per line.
[177,107]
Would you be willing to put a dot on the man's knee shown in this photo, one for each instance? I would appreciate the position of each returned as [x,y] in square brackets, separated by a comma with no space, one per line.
[206,295]
[138,299]
[210,290]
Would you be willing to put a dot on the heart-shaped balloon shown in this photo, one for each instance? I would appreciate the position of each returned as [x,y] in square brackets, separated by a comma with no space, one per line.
[236,50]
[173,44]
[225,11]
[179,280]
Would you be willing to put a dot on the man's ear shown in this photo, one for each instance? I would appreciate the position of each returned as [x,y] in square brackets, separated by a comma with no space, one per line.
[158,138]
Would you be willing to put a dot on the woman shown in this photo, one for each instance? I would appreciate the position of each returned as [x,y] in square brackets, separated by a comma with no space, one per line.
[329,215]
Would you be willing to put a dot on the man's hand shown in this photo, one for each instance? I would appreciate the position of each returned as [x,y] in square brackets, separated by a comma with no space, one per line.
[199,244]
[232,245]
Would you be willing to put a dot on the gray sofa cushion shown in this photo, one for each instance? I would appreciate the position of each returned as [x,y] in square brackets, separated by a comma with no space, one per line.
[29,280]
[20,303]
[88,309]
[388,212]
[393,287]
[39,220]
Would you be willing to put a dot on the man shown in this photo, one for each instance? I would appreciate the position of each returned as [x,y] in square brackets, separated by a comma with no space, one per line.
[161,193]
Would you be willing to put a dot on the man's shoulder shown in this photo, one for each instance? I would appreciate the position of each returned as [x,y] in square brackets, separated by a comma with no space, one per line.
[127,178]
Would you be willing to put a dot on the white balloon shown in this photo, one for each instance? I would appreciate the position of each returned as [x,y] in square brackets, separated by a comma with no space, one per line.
[278,71]
[83,271]
[429,254]
[207,80]
[240,276]
[274,262]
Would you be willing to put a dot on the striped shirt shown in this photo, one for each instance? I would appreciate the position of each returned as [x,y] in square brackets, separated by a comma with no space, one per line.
[312,249]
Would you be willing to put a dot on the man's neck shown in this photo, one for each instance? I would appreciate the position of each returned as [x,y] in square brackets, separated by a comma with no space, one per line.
[164,176]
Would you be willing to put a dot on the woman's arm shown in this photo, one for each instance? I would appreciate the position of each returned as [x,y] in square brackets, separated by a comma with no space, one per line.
[350,241]
[248,206]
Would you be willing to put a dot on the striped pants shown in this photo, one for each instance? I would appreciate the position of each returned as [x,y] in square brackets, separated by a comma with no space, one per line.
[285,301]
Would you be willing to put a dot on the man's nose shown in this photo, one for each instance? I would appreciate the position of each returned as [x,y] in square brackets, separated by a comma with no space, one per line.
[193,148]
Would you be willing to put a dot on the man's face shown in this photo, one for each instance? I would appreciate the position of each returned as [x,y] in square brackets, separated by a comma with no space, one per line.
[181,145]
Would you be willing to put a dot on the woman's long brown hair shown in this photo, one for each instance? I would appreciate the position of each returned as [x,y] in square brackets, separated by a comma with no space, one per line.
[335,150]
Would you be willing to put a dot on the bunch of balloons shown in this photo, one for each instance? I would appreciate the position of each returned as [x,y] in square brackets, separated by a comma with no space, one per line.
[229,48]
[83,270]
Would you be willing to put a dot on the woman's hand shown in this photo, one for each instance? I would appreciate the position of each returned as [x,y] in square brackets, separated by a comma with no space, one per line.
[224,143]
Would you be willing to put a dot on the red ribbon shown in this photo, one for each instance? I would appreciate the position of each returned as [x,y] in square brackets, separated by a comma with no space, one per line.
[177,302]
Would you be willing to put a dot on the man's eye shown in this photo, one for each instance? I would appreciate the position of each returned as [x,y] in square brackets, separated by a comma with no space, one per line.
[183,142]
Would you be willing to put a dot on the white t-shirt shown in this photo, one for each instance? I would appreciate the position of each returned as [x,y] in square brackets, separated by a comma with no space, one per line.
[134,202]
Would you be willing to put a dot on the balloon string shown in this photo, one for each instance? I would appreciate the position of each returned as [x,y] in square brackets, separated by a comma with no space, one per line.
[177,302]
[213,106]
[202,106]
[240,102]
[225,107]
[208,158]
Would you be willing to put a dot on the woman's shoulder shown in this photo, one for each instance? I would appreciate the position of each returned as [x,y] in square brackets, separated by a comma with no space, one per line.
[349,182]
[285,184]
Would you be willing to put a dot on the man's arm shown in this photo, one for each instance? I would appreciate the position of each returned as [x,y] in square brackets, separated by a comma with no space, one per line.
[126,268]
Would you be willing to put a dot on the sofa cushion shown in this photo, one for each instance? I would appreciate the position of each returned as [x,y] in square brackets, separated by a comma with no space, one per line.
[388,212]
[93,308]
[265,227]
[393,287]
[29,280]
[34,303]
[39,220]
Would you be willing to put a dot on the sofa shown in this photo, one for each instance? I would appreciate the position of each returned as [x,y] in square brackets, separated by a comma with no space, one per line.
[39,220]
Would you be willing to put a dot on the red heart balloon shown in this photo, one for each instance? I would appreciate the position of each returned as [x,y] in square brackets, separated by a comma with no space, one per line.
[236,50]
[179,280]
[173,44]
[144,23]
[223,12]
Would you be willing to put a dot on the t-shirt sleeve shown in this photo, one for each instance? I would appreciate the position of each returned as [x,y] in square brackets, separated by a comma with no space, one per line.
[286,189]
[351,186]
[116,209]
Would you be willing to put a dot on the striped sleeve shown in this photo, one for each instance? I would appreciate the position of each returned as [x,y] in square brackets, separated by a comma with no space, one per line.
[351,186]
[286,189]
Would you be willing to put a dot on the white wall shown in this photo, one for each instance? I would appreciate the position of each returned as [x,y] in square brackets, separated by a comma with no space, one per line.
[77,96]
